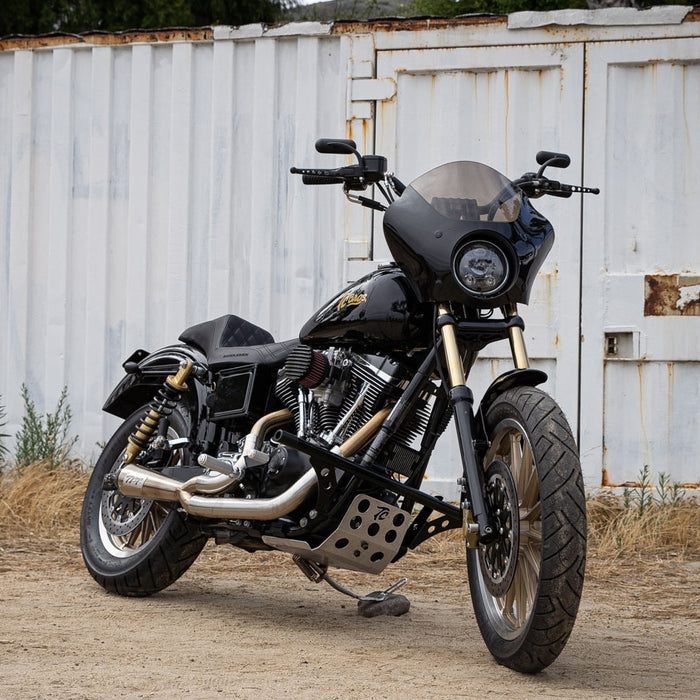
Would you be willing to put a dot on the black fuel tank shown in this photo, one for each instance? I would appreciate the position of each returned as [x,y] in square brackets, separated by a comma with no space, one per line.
[380,311]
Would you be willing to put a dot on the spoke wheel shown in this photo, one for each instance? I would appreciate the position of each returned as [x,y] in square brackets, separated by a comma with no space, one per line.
[128,524]
[526,584]
[136,546]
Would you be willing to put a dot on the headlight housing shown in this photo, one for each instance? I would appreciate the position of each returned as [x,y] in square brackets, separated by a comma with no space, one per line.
[482,268]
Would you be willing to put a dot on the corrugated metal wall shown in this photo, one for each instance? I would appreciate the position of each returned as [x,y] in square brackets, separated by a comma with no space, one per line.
[144,187]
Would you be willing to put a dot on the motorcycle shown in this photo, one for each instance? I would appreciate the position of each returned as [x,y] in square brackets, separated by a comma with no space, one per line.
[318,446]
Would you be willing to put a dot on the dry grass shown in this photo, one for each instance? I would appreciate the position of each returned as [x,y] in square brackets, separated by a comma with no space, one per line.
[45,504]
[41,502]
[615,531]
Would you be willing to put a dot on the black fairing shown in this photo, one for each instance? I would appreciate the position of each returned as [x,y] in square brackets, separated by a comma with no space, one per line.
[381,311]
[424,243]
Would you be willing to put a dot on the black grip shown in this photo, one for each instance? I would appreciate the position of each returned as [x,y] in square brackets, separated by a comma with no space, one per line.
[555,160]
[321,180]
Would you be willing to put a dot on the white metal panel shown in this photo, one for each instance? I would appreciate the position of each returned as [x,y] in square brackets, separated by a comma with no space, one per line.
[145,188]
[497,105]
[644,115]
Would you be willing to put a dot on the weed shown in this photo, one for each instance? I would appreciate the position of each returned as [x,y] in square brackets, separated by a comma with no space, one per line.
[645,519]
[670,492]
[3,447]
[640,496]
[44,438]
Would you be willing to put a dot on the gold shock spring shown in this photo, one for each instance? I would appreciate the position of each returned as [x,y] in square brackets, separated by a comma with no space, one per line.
[173,386]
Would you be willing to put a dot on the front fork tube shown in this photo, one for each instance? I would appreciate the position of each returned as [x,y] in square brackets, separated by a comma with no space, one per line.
[462,401]
[517,342]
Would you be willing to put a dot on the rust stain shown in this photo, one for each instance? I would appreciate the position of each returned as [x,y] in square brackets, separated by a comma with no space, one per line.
[390,24]
[671,295]
[642,412]
[686,485]
[132,36]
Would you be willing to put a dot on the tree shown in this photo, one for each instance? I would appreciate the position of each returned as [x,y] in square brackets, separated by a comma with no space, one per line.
[43,16]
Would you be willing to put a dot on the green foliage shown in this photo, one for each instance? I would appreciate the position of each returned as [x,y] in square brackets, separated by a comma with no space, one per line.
[640,498]
[3,447]
[669,492]
[43,16]
[349,10]
[44,438]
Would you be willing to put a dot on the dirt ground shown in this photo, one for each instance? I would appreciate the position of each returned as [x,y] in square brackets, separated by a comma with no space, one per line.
[251,626]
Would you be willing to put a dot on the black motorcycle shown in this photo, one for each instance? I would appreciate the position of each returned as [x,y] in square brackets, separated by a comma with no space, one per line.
[318,446]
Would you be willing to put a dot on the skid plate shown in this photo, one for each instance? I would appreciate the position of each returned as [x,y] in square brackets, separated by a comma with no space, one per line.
[367,539]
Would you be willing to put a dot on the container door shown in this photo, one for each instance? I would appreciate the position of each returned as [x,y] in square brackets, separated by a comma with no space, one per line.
[641,268]
[497,105]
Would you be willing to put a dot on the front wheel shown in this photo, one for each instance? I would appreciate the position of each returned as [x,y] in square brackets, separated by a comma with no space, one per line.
[526,584]
[136,546]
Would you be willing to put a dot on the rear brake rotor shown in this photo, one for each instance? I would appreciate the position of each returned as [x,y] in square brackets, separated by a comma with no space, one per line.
[121,514]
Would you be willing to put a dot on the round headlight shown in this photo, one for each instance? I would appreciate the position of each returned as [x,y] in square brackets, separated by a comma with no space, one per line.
[482,268]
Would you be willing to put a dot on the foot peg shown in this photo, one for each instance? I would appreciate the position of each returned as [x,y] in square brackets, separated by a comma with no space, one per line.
[385,602]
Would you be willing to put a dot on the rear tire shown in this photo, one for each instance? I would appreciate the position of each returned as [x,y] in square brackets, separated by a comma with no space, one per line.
[131,546]
[526,586]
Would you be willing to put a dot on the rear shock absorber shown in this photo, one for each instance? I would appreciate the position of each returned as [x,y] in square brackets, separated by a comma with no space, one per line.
[162,405]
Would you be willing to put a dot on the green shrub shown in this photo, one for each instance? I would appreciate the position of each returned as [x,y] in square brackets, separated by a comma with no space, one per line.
[44,438]
[3,447]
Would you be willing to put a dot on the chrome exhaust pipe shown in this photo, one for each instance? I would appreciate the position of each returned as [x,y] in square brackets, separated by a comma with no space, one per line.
[137,482]
[251,509]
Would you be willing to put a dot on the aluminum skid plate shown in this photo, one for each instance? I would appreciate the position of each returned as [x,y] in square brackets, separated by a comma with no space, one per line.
[367,539]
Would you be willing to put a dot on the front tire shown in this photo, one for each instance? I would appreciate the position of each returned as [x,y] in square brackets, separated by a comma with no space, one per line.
[526,585]
[131,546]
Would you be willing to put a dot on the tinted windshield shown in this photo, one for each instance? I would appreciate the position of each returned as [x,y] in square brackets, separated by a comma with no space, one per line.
[468,191]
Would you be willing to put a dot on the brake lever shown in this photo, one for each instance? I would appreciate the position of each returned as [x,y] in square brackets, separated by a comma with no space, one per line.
[352,176]
[536,187]
[571,189]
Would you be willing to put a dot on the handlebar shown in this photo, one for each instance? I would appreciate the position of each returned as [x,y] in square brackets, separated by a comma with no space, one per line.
[535,186]
[319,176]
[371,169]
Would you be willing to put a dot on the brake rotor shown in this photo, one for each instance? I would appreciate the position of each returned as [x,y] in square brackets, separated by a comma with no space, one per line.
[121,515]
[499,557]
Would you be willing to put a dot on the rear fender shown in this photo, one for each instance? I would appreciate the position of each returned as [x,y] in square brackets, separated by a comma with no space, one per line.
[146,373]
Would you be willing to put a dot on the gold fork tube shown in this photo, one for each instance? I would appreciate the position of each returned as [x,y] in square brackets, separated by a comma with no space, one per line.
[455,369]
[517,341]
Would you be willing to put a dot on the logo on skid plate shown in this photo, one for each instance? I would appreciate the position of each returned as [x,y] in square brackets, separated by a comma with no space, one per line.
[350,299]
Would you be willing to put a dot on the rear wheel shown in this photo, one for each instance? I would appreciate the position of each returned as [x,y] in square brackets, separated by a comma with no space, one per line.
[135,546]
[526,584]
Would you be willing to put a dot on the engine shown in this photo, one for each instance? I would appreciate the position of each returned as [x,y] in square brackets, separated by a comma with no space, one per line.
[332,394]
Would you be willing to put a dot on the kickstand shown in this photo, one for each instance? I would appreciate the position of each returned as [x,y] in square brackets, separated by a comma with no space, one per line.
[385,602]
